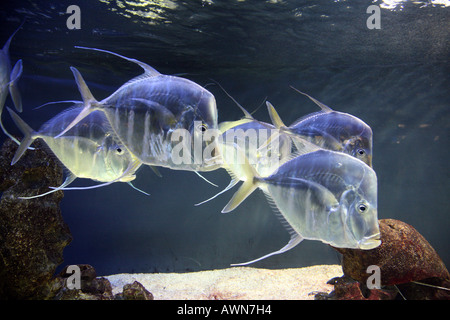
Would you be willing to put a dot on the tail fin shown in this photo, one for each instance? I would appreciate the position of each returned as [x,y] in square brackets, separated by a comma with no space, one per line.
[28,135]
[88,99]
[4,129]
[13,88]
[250,184]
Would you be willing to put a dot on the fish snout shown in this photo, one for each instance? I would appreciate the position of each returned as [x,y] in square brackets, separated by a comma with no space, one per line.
[370,242]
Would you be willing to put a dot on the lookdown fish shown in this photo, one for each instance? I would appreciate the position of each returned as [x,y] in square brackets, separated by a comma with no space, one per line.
[322,195]
[330,130]
[264,148]
[8,82]
[146,112]
[88,150]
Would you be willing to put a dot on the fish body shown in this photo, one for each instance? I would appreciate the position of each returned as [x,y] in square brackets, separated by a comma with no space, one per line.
[327,196]
[154,114]
[321,195]
[145,115]
[8,81]
[331,130]
[88,150]
[253,137]
[336,131]
[261,144]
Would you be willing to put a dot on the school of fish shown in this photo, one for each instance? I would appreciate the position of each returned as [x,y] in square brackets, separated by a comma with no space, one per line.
[315,173]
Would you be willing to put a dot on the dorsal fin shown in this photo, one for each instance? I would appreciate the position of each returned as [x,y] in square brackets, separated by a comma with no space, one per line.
[149,71]
[59,102]
[247,114]
[322,106]
[276,120]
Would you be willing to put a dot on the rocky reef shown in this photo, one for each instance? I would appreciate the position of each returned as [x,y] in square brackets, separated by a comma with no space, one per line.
[409,268]
[33,234]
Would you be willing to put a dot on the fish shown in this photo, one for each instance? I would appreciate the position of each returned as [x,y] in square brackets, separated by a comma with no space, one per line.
[9,78]
[89,150]
[157,117]
[321,195]
[329,129]
[253,137]
[261,142]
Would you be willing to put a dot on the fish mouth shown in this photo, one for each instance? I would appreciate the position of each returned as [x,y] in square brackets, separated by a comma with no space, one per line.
[370,242]
[369,160]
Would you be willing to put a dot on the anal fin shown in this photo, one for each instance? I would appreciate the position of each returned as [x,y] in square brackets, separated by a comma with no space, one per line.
[295,240]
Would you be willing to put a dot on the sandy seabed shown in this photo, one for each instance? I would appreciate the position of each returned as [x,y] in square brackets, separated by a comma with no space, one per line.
[238,283]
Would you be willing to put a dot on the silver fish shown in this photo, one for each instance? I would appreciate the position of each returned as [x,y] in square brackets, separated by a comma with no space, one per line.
[254,138]
[262,144]
[89,150]
[146,112]
[8,82]
[330,130]
[322,195]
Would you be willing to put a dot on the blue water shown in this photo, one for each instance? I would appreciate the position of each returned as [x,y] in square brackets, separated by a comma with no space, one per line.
[396,79]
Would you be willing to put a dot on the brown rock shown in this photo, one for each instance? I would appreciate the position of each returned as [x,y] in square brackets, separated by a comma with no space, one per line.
[91,287]
[403,256]
[345,288]
[136,291]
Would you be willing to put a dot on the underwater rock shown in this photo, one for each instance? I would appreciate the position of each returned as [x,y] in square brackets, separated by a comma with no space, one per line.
[135,291]
[403,256]
[32,232]
[91,287]
[345,288]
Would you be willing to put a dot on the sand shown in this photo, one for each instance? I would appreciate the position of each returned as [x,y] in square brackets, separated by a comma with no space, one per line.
[238,283]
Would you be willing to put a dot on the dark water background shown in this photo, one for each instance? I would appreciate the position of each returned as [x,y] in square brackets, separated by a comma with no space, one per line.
[396,79]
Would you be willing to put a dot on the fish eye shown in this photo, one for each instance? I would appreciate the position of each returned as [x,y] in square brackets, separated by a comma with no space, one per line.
[360,151]
[362,208]
[203,127]
[119,150]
